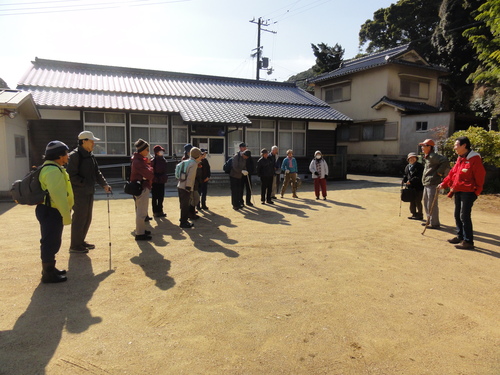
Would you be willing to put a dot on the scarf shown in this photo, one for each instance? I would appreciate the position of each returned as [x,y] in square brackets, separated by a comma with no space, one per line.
[290,163]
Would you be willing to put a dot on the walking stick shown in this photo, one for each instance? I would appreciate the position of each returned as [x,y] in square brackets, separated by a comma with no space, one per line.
[250,185]
[109,230]
[400,200]
[430,211]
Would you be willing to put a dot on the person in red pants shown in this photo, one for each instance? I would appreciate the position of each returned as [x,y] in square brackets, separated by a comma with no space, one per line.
[319,170]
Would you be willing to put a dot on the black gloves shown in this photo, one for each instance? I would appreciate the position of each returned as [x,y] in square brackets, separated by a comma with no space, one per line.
[316,173]
[188,188]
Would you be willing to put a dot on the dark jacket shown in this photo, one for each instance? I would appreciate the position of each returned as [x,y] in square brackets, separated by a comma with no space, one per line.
[205,172]
[413,173]
[250,166]
[239,164]
[84,171]
[265,167]
[141,171]
[160,169]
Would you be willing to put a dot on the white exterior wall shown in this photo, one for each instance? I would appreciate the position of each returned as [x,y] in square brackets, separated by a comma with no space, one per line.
[410,138]
[11,167]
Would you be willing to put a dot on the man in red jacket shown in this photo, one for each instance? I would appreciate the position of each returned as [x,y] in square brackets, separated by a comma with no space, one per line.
[465,180]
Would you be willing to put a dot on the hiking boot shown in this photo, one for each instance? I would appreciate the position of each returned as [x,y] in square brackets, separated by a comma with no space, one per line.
[455,240]
[204,207]
[49,274]
[249,204]
[465,245]
[89,246]
[186,225]
[148,218]
[270,202]
[294,196]
[143,237]
[78,250]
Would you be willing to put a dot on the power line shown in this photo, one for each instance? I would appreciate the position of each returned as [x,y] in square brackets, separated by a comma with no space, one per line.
[80,7]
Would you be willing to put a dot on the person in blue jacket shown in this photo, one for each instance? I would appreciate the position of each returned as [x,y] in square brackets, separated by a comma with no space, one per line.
[289,166]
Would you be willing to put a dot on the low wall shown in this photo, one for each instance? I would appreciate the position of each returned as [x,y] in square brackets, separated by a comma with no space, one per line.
[388,165]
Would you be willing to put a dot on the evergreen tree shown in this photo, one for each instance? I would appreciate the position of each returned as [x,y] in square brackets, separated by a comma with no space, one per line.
[327,58]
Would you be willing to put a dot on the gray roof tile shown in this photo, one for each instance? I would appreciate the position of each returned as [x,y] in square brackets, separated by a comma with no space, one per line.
[389,56]
[197,98]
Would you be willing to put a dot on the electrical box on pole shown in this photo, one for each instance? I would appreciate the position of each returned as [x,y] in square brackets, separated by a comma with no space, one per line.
[262,62]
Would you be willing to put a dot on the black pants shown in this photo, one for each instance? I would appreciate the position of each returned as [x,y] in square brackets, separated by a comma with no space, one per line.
[245,184]
[81,219]
[51,229]
[236,191]
[203,193]
[158,194]
[266,187]
[184,198]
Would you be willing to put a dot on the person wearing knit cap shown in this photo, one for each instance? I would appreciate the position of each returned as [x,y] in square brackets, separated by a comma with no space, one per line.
[186,185]
[319,169]
[413,180]
[84,174]
[142,171]
[187,150]
[55,212]
[160,179]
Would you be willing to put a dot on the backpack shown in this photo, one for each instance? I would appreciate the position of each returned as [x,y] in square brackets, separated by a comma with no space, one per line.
[29,190]
[180,169]
[228,165]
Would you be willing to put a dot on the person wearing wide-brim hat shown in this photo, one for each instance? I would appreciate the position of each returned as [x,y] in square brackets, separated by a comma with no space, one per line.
[55,212]
[435,170]
[84,174]
[413,180]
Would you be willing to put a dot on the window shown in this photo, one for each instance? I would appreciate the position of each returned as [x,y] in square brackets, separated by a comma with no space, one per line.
[151,128]
[179,136]
[110,128]
[414,88]
[260,135]
[421,126]
[391,131]
[343,133]
[373,132]
[292,135]
[20,145]
[338,93]
[354,133]
[234,138]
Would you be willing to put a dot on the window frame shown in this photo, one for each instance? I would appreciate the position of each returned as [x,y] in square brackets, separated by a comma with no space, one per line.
[20,146]
[149,126]
[293,131]
[419,129]
[345,94]
[105,124]
[257,128]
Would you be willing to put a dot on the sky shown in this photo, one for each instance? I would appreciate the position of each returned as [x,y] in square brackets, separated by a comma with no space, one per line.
[211,37]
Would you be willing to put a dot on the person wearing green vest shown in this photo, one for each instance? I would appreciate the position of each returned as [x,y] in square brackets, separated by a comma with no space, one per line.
[55,212]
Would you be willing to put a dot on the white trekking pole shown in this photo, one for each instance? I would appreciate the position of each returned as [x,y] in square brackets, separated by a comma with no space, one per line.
[250,185]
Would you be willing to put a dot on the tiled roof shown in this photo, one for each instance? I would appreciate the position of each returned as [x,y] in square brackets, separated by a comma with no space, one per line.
[389,56]
[406,106]
[197,98]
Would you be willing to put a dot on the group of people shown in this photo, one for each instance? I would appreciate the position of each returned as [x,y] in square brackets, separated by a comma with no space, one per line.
[70,188]
[465,180]
[269,170]
[73,188]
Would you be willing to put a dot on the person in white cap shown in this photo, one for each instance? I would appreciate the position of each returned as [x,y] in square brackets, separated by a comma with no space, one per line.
[84,173]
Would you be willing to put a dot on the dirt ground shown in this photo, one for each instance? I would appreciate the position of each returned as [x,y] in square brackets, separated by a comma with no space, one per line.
[343,286]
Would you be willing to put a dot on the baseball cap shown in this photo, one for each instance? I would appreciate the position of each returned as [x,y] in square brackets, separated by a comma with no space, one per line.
[88,135]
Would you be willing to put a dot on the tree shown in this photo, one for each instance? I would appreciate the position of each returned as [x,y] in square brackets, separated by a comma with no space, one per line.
[404,22]
[486,143]
[327,58]
[485,39]
[454,51]
[301,78]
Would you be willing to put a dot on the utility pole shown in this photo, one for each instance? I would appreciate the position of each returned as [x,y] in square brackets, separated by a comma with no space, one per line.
[258,50]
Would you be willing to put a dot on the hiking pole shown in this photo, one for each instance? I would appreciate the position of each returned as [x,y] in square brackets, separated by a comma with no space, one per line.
[430,211]
[250,185]
[109,230]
